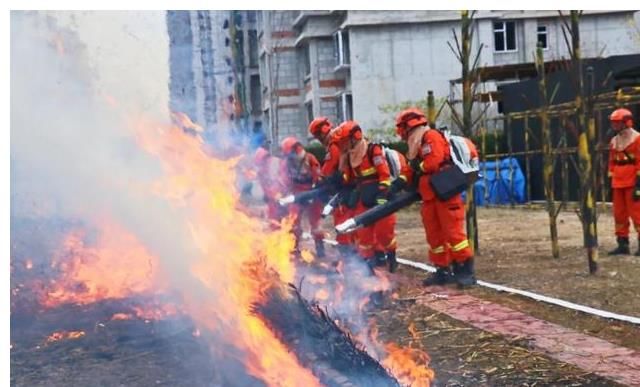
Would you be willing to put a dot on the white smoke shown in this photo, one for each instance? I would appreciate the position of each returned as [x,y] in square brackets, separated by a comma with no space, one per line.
[75,79]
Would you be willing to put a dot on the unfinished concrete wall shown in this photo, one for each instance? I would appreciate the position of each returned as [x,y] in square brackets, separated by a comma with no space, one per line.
[396,63]
[602,34]
[182,91]
[283,87]
[396,56]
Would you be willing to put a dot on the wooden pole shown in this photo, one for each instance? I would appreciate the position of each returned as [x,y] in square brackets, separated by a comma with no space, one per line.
[431,108]
[547,155]
[467,105]
[527,157]
[586,141]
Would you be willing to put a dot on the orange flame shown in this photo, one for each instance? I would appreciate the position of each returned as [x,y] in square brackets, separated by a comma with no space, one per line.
[121,316]
[62,335]
[409,365]
[117,267]
[412,330]
[236,252]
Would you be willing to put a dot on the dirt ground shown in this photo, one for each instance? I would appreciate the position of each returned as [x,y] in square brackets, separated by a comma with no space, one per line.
[515,250]
[465,356]
[164,353]
[135,352]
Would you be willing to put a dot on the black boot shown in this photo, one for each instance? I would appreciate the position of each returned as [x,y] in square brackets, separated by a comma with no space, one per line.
[320,248]
[464,273]
[371,264]
[623,247]
[393,263]
[380,258]
[442,276]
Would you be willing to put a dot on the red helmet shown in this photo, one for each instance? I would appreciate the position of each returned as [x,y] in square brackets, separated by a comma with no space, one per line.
[288,145]
[346,131]
[409,119]
[260,156]
[621,115]
[320,127]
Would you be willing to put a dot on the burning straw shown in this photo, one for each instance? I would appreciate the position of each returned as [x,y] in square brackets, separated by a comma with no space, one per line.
[165,215]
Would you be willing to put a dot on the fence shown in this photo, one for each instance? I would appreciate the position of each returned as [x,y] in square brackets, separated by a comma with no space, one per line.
[520,138]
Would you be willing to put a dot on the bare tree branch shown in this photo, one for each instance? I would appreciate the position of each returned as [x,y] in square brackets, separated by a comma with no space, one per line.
[553,93]
[477,58]
[454,114]
[482,114]
[455,39]
[454,51]
[566,41]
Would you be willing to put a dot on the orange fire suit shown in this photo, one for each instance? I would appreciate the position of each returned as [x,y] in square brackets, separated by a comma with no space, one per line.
[373,173]
[444,221]
[270,180]
[624,169]
[341,213]
[301,175]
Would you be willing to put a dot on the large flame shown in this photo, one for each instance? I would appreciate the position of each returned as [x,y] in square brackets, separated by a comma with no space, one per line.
[117,266]
[239,258]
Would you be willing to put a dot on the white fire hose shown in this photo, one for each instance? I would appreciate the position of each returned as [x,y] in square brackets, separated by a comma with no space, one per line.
[524,293]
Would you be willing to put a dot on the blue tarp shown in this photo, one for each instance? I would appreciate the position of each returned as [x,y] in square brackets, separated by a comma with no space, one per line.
[496,187]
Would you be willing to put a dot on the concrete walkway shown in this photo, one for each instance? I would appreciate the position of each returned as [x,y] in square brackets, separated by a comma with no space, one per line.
[587,352]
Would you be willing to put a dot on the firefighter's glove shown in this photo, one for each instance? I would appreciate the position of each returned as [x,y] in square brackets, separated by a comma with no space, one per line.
[383,194]
[636,190]
[397,185]
[415,165]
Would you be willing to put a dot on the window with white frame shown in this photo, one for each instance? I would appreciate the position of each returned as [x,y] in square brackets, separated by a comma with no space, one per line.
[543,40]
[341,47]
[504,36]
[344,107]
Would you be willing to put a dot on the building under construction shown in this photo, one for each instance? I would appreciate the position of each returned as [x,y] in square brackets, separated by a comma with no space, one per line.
[214,71]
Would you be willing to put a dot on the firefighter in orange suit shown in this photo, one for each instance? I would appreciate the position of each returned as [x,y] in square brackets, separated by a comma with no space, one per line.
[444,221]
[269,177]
[302,172]
[320,128]
[624,171]
[365,165]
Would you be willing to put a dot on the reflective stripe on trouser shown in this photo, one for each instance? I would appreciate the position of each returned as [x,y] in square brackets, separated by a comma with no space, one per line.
[313,213]
[624,208]
[379,236]
[444,226]
[341,214]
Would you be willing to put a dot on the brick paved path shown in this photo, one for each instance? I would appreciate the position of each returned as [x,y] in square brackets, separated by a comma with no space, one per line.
[587,352]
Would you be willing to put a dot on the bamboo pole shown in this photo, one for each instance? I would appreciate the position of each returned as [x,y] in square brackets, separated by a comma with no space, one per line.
[586,130]
[497,164]
[547,155]
[510,158]
[483,157]
[527,158]
[602,166]
[467,105]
